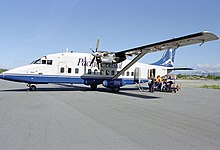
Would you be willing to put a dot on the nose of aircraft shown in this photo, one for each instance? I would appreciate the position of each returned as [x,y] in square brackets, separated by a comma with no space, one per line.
[1,76]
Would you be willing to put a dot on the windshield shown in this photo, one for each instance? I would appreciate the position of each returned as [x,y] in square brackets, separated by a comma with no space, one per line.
[38,61]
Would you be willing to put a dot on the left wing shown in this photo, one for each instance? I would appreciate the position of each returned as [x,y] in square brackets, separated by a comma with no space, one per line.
[139,52]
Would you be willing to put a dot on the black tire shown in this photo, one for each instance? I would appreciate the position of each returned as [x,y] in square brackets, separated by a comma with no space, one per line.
[33,88]
[93,86]
[116,89]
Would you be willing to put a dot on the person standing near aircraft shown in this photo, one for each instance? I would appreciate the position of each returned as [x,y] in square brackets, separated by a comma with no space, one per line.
[158,82]
[151,84]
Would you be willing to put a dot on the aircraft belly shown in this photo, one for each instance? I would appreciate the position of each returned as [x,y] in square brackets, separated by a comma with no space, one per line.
[42,79]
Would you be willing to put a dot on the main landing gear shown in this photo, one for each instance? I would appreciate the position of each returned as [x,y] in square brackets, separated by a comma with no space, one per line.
[116,89]
[93,86]
[32,87]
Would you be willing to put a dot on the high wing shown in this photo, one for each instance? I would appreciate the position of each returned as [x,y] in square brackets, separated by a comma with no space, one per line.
[139,52]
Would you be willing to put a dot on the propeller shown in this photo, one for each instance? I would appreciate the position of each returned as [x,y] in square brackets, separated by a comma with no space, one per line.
[96,55]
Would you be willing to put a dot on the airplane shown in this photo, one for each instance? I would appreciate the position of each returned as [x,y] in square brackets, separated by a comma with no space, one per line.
[111,69]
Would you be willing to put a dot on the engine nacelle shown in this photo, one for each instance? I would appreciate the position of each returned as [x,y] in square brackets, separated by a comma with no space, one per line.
[111,58]
[113,83]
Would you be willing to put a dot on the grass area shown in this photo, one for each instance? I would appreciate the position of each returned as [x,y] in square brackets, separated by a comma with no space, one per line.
[2,70]
[210,87]
[197,77]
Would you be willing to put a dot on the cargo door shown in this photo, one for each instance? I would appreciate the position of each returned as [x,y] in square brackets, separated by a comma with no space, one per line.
[137,75]
[151,73]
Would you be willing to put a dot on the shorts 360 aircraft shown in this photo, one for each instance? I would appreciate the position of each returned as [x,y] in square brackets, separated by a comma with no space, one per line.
[111,69]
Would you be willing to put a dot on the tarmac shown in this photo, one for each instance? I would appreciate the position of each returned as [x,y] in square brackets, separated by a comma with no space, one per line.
[58,117]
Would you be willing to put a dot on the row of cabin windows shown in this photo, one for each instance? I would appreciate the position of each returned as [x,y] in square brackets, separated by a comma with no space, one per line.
[62,70]
[107,72]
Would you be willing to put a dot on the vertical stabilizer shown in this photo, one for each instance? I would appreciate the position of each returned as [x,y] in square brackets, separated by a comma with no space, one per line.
[167,59]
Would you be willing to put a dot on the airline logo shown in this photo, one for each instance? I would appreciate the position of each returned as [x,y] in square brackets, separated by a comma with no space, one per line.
[84,62]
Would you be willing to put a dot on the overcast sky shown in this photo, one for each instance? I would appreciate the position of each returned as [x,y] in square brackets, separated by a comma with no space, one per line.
[30,29]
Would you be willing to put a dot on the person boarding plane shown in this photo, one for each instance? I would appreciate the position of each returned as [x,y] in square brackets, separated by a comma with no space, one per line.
[111,69]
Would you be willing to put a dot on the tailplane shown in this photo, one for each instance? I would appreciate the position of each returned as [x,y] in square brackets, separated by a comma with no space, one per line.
[167,59]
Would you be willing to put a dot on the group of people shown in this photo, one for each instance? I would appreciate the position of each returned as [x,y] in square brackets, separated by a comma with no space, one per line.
[158,83]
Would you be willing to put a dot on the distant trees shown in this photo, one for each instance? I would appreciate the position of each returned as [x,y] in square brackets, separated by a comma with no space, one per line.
[198,77]
[213,77]
[3,70]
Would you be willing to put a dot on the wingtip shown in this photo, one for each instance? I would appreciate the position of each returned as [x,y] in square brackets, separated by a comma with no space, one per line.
[214,36]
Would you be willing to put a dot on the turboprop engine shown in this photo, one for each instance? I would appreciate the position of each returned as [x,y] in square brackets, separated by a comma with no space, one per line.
[106,57]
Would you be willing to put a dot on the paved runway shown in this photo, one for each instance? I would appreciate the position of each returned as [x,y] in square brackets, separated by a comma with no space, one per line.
[57,117]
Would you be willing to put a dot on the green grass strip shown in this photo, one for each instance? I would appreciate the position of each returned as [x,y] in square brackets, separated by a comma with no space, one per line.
[210,86]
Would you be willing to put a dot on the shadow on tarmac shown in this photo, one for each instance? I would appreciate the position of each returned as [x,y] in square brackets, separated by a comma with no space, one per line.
[123,91]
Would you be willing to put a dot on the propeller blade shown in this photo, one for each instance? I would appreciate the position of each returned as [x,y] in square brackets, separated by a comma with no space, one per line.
[98,60]
[96,55]
[98,65]
[97,45]
[93,59]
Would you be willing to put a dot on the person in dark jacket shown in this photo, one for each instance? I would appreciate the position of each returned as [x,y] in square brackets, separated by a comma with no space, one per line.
[151,84]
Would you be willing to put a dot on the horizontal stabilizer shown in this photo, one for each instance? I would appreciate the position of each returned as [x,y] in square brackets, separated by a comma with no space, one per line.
[173,69]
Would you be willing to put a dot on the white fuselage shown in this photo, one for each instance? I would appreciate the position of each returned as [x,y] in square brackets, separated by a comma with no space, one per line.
[76,68]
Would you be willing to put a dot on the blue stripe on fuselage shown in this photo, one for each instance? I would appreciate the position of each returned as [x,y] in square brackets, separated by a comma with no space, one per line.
[44,79]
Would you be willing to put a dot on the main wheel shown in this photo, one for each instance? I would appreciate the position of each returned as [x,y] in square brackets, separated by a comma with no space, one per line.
[93,86]
[116,89]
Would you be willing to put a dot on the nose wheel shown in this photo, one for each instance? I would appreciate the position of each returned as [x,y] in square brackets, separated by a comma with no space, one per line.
[32,87]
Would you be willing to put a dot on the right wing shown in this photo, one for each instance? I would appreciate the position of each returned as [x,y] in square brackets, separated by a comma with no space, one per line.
[196,38]
[139,52]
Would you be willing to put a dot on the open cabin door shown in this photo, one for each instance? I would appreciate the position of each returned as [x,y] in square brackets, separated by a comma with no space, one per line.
[151,73]
[137,75]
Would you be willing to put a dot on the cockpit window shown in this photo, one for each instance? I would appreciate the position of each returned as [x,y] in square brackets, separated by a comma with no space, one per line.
[49,62]
[44,61]
[38,61]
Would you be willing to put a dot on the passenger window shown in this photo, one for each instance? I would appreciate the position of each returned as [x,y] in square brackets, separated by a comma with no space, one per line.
[107,72]
[132,73]
[43,61]
[49,62]
[76,70]
[95,71]
[62,70]
[89,71]
[128,73]
[101,72]
[69,70]
[113,72]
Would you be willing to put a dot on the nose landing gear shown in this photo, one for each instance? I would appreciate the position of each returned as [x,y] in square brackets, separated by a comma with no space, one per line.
[32,87]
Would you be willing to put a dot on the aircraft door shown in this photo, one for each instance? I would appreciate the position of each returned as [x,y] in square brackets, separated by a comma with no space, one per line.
[62,69]
[151,73]
[137,75]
